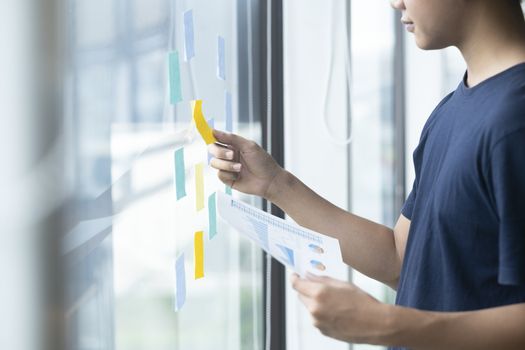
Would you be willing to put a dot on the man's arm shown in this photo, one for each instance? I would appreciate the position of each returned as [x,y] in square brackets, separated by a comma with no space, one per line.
[496,328]
[373,249]
[370,248]
[343,311]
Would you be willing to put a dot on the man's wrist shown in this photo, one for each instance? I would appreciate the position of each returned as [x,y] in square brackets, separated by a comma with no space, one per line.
[279,187]
[408,327]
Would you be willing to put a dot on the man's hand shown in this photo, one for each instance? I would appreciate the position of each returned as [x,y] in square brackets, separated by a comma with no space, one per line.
[245,166]
[341,310]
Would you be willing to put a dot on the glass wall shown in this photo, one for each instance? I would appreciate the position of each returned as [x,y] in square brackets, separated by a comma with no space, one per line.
[372,159]
[322,105]
[125,226]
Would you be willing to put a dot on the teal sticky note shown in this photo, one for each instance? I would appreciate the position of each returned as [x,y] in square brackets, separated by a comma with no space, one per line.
[180,173]
[180,275]
[175,81]
[212,216]
[228,190]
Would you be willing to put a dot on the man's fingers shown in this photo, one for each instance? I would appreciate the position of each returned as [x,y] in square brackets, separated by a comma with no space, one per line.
[227,177]
[225,165]
[220,152]
[235,140]
[306,287]
[324,279]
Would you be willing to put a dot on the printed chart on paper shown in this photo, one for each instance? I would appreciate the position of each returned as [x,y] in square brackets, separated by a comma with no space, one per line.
[298,248]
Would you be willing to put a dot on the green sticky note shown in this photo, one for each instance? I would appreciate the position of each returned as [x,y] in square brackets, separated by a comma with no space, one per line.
[175,82]
[212,216]
[180,173]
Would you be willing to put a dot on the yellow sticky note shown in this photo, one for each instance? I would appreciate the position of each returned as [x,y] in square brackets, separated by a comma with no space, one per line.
[201,123]
[199,254]
[199,186]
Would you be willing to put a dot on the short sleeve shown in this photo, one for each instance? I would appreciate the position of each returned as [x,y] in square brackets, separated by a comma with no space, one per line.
[408,207]
[507,181]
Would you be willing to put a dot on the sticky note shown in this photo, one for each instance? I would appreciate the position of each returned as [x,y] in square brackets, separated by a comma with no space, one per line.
[228,111]
[221,58]
[228,190]
[174,75]
[189,36]
[199,255]
[201,124]
[199,186]
[180,275]
[212,216]
[180,174]
[211,123]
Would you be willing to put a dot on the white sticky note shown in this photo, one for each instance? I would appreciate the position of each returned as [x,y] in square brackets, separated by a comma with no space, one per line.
[180,275]
[221,58]
[228,110]
[189,36]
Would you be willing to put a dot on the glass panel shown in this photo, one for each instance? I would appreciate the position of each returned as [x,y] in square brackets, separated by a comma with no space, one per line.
[372,149]
[149,88]
[126,226]
[149,13]
[94,22]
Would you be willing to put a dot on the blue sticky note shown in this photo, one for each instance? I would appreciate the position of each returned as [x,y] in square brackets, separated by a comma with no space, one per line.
[180,173]
[211,123]
[228,111]
[228,190]
[189,36]
[212,216]
[180,274]
[221,58]
[174,74]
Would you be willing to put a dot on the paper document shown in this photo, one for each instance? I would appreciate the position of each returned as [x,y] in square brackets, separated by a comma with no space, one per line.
[300,249]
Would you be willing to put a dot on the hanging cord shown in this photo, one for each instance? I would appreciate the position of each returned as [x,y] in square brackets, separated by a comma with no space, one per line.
[329,80]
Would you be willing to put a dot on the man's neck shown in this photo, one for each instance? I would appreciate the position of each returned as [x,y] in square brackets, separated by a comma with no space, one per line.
[494,43]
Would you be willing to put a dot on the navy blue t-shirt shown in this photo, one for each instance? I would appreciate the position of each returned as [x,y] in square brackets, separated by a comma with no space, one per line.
[466,245]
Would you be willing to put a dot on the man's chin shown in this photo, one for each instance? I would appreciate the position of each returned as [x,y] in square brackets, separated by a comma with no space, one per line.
[424,42]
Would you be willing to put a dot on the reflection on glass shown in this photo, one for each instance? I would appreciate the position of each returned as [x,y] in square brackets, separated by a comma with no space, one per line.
[127,226]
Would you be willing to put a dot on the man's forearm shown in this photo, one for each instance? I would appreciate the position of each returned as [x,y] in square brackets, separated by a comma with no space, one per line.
[496,328]
[366,246]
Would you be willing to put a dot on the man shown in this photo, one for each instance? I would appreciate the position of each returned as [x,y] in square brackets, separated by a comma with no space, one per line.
[457,253]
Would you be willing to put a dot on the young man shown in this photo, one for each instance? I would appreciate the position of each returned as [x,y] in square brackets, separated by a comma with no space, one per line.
[457,253]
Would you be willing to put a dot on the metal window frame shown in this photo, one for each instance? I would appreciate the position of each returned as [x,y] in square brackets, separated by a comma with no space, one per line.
[273,141]
[399,106]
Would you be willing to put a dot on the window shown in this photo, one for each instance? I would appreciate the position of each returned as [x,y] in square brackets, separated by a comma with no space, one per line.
[359,176]
[125,226]
[373,153]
